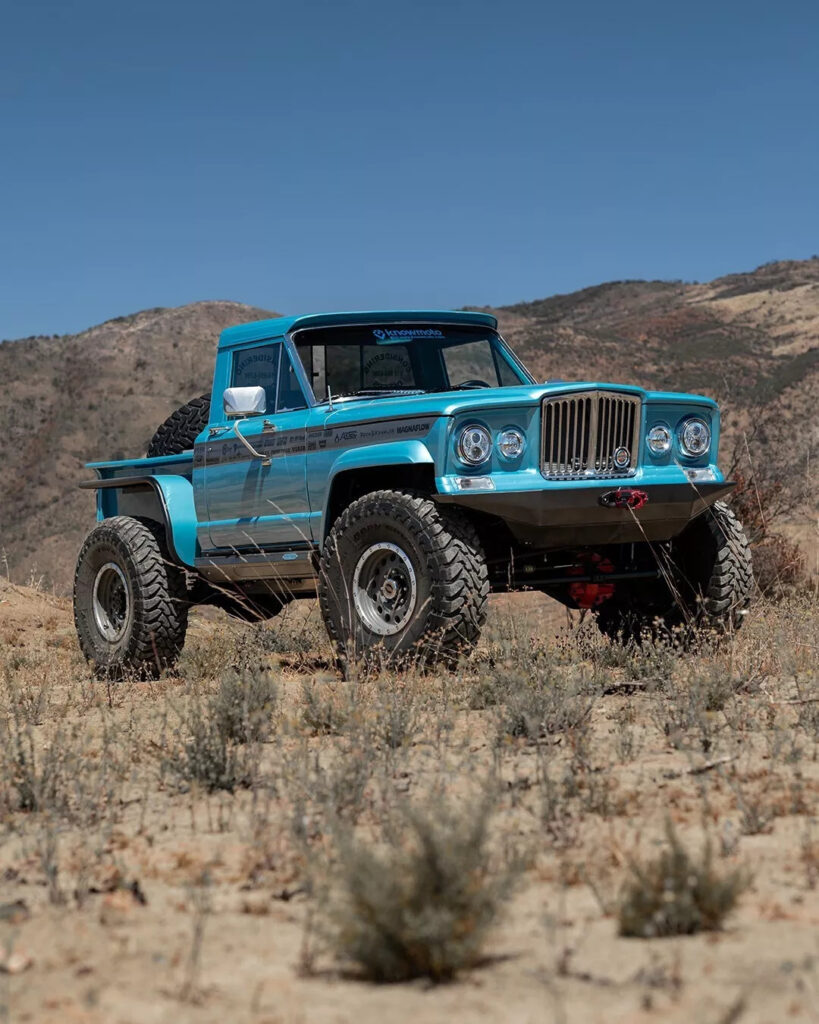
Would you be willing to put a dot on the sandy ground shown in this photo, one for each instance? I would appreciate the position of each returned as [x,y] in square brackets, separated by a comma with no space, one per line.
[218,926]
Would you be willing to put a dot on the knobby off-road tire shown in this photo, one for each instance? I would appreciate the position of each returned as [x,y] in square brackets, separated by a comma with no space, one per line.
[181,428]
[403,576]
[710,579]
[130,601]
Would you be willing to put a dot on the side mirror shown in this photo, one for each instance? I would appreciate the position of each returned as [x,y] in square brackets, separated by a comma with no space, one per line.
[244,402]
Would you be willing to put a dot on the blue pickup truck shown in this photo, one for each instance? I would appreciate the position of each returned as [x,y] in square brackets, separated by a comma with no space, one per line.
[403,465]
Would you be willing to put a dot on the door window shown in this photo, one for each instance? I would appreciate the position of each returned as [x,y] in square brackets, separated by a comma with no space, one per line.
[291,396]
[258,367]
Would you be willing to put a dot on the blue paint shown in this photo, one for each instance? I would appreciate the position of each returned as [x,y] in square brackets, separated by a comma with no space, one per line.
[221,498]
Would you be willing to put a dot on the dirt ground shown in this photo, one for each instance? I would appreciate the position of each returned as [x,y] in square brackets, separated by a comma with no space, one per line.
[129,892]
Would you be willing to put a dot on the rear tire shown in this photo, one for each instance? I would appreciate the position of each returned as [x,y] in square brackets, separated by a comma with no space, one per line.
[179,431]
[711,580]
[404,575]
[130,601]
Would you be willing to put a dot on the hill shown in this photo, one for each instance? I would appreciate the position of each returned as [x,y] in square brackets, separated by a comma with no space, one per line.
[751,340]
[99,394]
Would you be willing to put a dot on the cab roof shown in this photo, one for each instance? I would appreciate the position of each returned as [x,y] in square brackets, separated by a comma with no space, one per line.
[261,330]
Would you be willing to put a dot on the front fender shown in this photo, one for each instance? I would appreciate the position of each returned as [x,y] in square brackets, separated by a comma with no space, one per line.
[373,457]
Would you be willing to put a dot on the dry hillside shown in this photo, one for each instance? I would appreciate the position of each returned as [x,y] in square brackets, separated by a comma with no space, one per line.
[751,340]
[100,394]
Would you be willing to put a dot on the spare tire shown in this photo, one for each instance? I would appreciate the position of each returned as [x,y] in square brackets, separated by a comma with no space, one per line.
[181,428]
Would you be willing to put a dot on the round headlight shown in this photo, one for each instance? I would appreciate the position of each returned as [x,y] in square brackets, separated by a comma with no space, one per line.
[474,445]
[511,443]
[659,439]
[695,438]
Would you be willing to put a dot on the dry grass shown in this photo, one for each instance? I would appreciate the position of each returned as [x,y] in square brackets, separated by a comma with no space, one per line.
[253,837]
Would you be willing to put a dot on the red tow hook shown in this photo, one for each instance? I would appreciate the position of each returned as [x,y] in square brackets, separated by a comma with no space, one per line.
[624,497]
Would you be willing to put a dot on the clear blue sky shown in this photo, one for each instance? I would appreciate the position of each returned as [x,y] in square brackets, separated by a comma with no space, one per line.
[317,155]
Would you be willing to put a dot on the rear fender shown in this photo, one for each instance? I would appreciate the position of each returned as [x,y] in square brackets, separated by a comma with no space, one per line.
[166,498]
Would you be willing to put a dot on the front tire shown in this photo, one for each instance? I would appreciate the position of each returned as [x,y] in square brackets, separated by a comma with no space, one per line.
[707,584]
[402,574]
[130,601]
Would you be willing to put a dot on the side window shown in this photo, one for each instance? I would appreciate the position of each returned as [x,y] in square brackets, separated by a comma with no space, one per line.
[470,361]
[260,367]
[291,396]
[508,377]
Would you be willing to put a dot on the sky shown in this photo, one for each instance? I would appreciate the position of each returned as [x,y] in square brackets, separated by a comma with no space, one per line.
[311,155]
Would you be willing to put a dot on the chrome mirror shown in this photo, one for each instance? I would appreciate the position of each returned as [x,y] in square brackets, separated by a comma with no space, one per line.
[239,402]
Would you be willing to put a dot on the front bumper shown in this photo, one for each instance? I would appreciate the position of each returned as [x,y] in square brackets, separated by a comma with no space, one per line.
[578,516]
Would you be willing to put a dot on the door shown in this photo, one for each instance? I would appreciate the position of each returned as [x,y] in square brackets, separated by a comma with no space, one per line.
[259,501]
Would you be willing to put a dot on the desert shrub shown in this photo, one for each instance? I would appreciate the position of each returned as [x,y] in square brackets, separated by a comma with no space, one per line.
[64,772]
[396,716]
[546,704]
[779,566]
[216,742]
[27,681]
[676,894]
[325,708]
[768,491]
[205,755]
[243,706]
[654,657]
[32,776]
[488,689]
[243,648]
[420,905]
[339,785]
[558,813]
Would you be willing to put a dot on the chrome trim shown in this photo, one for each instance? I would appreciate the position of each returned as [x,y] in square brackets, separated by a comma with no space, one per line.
[580,433]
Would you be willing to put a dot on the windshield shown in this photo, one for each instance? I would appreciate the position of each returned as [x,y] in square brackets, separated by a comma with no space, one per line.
[371,360]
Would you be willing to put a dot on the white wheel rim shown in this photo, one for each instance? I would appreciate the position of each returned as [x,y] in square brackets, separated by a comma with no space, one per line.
[384,589]
[111,602]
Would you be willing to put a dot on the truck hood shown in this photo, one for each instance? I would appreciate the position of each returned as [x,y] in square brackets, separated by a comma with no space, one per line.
[455,403]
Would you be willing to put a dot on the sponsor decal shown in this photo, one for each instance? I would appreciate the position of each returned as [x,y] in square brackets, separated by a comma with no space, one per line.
[298,442]
[388,368]
[259,366]
[410,333]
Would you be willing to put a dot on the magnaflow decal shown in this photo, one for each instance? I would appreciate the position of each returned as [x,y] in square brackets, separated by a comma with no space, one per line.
[222,451]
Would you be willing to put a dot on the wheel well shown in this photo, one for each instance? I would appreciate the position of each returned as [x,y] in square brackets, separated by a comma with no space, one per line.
[354,483]
[139,501]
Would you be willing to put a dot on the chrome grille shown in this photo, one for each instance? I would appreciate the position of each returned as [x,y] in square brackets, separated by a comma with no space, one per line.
[581,433]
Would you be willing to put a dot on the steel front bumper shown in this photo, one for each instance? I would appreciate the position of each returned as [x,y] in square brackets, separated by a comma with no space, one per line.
[569,516]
